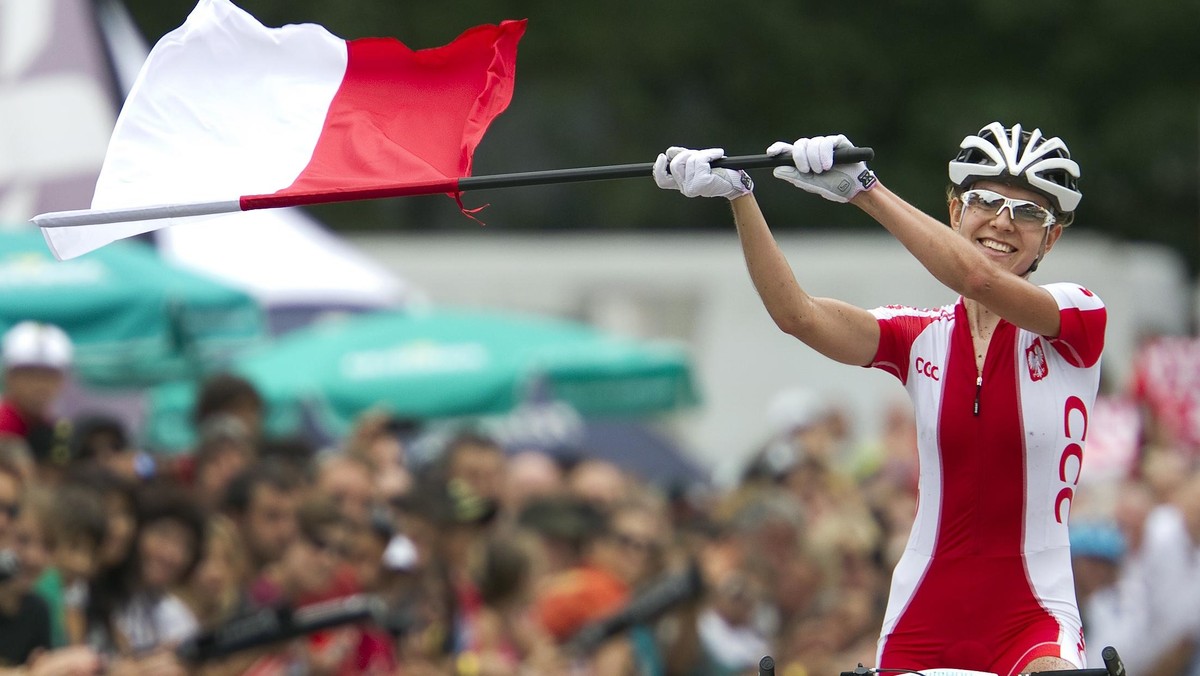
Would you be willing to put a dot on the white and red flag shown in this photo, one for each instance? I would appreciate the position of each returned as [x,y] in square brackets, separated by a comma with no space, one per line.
[229,115]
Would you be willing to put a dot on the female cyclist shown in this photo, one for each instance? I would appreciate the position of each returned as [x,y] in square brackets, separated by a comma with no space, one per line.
[1002,382]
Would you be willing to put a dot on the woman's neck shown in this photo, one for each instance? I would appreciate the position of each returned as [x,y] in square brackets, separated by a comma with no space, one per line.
[981,320]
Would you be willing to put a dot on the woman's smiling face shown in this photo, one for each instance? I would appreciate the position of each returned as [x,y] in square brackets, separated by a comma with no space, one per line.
[1011,244]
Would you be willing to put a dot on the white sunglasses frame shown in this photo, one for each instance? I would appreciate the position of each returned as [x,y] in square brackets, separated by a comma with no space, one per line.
[1009,203]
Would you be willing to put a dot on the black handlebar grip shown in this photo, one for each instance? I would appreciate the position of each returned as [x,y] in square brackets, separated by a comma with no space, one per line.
[766,666]
[1112,661]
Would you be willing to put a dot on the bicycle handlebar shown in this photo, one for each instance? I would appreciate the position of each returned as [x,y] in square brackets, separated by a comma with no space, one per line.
[1113,666]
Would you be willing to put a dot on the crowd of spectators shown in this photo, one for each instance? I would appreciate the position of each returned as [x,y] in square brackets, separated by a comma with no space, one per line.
[494,561]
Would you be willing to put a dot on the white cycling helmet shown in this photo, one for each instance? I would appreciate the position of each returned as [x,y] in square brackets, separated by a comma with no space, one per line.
[1021,157]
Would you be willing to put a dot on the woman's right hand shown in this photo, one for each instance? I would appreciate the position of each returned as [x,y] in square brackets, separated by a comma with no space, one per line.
[815,172]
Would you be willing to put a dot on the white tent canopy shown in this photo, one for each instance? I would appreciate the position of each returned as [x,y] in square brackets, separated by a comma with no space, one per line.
[284,258]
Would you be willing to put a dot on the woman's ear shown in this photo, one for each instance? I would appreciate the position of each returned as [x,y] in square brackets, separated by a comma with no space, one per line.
[955,207]
[1056,231]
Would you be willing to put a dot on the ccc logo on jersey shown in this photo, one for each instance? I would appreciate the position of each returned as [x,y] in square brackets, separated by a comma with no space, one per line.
[928,369]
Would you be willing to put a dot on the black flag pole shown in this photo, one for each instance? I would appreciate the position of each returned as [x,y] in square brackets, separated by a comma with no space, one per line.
[451,186]
[642,170]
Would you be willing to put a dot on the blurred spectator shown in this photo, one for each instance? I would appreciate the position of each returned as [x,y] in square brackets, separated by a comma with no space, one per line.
[1164,471]
[347,482]
[365,547]
[1111,611]
[598,482]
[24,619]
[75,529]
[132,610]
[1131,509]
[379,440]
[313,568]
[1171,568]
[620,553]
[293,452]
[565,526]
[890,465]
[529,475]
[763,553]
[119,508]
[808,423]
[214,592]
[1114,439]
[461,518]
[225,449]
[24,616]
[506,640]
[36,360]
[15,452]
[1165,382]
[226,393]
[99,437]
[11,486]
[419,584]
[103,439]
[262,502]
[477,462]
[304,573]
[731,639]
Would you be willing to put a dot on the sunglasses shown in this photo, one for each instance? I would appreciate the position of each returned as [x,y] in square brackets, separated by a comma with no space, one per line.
[1023,213]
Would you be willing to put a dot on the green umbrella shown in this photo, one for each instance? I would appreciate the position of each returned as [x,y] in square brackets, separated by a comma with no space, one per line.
[135,320]
[443,363]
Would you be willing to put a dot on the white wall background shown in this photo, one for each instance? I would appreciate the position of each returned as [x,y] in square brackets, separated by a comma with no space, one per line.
[694,288]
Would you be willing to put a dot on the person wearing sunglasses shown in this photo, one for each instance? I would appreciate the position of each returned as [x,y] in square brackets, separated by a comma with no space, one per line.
[1002,381]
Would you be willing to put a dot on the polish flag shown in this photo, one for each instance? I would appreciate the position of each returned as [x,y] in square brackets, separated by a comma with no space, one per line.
[229,115]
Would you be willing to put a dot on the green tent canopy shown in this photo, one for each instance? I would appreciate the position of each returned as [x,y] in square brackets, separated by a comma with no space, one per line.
[135,319]
[442,363]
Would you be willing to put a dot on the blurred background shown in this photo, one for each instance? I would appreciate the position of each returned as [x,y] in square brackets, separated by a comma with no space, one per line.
[655,277]
[602,85]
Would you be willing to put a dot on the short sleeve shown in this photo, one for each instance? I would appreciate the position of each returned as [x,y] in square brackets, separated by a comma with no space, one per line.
[899,327]
[1083,319]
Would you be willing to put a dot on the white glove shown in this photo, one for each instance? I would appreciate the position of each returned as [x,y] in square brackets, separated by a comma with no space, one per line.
[815,171]
[692,175]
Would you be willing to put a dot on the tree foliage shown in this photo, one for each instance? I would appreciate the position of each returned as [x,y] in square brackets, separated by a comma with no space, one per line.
[609,83]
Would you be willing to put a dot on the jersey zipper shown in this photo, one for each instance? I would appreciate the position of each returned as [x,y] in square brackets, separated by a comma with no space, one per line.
[978,391]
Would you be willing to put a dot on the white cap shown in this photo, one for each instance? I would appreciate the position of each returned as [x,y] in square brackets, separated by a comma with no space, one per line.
[36,344]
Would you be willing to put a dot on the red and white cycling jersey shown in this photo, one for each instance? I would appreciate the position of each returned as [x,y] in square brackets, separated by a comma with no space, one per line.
[985,582]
